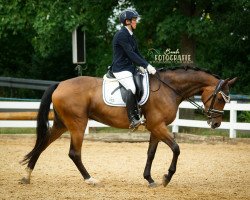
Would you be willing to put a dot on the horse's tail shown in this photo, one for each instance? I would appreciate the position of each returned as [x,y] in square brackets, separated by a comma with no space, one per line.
[42,129]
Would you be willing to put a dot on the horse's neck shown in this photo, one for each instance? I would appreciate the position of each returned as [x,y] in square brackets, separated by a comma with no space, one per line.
[189,83]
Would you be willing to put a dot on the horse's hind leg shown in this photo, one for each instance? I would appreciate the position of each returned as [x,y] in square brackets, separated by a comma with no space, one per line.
[77,135]
[55,132]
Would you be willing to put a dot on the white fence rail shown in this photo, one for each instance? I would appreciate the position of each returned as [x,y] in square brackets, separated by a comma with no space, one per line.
[232,125]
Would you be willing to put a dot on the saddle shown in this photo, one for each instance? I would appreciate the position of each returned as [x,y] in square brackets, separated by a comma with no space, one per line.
[138,78]
[114,94]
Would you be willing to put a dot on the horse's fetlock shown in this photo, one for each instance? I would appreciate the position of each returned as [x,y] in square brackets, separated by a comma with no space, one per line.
[146,176]
[172,170]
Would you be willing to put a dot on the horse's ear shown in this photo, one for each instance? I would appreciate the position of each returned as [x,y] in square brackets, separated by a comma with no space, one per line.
[232,81]
[225,82]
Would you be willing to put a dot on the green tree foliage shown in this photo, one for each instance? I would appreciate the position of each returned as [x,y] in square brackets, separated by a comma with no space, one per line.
[35,36]
[41,32]
[217,32]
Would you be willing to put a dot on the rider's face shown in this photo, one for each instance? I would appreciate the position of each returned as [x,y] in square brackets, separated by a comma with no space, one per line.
[133,23]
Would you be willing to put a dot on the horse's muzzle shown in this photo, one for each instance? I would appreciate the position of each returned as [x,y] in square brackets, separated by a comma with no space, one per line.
[213,123]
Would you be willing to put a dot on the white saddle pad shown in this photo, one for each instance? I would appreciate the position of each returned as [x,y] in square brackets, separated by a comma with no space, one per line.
[115,99]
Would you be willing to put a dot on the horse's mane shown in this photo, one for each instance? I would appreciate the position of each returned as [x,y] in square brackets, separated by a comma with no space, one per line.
[172,68]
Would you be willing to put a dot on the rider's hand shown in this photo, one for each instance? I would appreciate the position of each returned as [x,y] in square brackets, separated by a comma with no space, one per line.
[142,70]
[151,69]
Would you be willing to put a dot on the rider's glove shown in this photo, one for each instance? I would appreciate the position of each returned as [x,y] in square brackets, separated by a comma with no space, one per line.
[151,69]
[142,70]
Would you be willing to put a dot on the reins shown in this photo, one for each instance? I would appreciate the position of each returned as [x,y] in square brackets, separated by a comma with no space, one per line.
[207,113]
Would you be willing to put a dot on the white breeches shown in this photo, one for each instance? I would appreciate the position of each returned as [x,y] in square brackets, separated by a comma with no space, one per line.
[126,79]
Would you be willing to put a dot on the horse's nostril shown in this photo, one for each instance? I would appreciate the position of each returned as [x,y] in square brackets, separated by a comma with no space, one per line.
[216,124]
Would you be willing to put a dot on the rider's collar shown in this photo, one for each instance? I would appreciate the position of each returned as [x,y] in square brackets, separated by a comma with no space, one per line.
[130,32]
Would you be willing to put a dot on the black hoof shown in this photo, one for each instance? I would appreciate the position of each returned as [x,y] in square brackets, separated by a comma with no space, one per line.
[24,181]
[165,180]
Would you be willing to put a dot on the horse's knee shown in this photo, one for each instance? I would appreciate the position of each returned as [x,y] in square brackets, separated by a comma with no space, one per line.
[176,149]
[72,154]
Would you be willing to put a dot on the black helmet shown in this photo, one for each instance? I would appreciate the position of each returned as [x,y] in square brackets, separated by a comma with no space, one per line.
[128,14]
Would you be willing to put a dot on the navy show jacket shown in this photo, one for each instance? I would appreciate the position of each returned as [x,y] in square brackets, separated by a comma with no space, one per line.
[125,52]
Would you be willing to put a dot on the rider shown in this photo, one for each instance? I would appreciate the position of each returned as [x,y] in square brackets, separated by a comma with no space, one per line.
[125,55]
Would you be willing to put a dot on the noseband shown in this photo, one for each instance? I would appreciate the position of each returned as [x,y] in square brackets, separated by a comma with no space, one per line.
[211,112]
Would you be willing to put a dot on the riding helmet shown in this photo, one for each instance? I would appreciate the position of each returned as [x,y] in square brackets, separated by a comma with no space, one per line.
[128,14]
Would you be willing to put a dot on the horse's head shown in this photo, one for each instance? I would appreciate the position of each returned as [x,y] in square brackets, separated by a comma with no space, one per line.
[214,99]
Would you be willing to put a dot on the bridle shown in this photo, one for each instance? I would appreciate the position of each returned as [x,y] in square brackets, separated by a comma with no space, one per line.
[211,112]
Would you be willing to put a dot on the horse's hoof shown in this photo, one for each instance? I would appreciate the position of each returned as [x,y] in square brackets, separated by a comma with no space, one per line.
[165,180]
[91,181]
[24,181]
[153,185]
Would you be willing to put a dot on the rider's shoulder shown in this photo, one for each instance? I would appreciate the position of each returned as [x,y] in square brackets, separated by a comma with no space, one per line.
[122,33]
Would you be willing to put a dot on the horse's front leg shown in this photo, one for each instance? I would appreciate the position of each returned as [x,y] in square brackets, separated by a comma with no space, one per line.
[153,143]
[162,133]
[176,152]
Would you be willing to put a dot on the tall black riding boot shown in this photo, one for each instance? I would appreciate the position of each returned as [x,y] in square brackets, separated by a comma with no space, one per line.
[132,109]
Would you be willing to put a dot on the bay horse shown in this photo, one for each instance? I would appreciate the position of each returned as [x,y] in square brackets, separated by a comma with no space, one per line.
[78,99]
